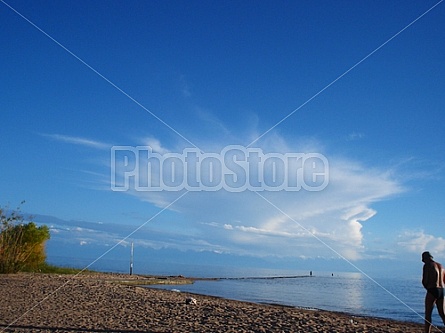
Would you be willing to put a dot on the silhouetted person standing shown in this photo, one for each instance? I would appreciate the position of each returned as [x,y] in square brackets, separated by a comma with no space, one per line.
[433,280]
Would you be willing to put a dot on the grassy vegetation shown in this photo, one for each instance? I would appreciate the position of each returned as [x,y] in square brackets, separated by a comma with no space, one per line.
[47,268]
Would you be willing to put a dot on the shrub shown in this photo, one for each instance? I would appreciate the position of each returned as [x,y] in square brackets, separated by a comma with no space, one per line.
[22,245]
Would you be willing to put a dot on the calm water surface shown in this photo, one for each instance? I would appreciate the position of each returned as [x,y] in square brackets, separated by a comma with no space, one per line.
[349,292]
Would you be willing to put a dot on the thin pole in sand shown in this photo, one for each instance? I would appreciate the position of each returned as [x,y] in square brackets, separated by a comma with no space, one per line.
[131,258]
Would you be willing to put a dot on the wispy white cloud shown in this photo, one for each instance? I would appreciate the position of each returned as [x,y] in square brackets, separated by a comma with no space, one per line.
[155,145]
[79,141]
[417,241]
[412,168]
[185,86]
[355,136]
[211,122]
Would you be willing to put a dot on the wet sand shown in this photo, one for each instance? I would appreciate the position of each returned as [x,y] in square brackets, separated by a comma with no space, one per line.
[100,303]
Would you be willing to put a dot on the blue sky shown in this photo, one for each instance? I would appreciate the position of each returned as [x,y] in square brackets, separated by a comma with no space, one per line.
[360,82]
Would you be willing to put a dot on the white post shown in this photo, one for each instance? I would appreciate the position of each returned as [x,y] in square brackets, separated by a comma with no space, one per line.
[131,259]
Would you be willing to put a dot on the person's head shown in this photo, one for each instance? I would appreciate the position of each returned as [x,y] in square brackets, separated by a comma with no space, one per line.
[426,256]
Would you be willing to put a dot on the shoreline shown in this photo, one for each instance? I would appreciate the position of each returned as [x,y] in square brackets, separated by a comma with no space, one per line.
[253,297]
[100,302]
[296,307]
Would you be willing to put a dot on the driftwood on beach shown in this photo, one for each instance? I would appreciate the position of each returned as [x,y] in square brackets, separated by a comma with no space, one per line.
[99,303]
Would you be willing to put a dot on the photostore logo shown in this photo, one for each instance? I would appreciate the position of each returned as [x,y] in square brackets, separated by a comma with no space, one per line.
[234,169]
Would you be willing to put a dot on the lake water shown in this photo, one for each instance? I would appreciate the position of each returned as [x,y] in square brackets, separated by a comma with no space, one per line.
[354,293]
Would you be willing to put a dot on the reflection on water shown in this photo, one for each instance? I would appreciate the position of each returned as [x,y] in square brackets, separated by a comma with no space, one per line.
[354,292]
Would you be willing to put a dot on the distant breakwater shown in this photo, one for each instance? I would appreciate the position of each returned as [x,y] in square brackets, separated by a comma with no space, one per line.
[254,278]
[177,280]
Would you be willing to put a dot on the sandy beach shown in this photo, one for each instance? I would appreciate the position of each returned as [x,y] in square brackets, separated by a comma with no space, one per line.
[100,303]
